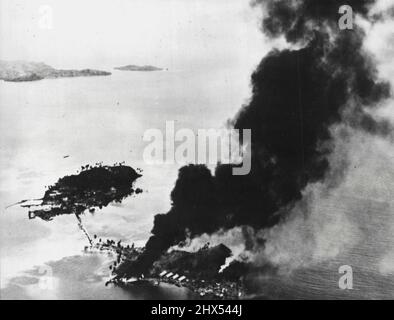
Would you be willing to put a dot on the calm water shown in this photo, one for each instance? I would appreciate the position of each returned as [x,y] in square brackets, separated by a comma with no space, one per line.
[103,119]
[368,249]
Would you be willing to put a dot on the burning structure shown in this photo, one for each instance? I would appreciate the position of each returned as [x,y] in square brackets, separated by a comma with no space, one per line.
[199,271]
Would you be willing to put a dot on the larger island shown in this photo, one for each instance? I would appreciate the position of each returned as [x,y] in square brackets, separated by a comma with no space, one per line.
[19,71]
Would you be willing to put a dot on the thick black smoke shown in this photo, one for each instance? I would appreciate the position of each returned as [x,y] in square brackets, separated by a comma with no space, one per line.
[297,20]
[297,96]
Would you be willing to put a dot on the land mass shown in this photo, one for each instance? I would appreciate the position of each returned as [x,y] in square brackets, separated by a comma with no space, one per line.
[93,188]
[201,272]
[20,71]
[132,67]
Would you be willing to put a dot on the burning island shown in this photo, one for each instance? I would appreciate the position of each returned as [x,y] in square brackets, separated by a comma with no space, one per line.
[201,272]
[209,272]
[95,187]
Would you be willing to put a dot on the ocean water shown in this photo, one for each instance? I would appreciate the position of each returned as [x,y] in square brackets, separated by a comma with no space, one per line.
[93,119]
[103,119]
[368,249]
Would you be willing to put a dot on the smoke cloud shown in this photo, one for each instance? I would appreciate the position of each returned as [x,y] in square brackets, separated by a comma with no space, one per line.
[303,102]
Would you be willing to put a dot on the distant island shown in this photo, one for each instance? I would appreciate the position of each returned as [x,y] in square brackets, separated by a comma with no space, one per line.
[19,71]
[132,67]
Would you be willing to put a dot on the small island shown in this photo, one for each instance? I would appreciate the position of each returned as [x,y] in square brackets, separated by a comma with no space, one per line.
[94,187]
[132,67]
[21,71]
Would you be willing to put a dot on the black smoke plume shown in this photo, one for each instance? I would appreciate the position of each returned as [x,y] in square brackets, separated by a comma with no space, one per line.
[297,95]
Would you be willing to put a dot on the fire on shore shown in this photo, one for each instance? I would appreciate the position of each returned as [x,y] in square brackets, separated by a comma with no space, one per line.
[197,271]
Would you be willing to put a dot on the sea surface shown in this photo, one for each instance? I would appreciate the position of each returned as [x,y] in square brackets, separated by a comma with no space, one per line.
[50,128]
